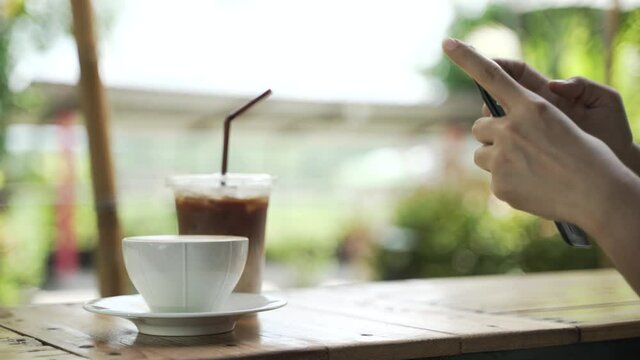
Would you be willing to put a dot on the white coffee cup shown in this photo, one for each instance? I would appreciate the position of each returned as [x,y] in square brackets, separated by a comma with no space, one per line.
[185,273]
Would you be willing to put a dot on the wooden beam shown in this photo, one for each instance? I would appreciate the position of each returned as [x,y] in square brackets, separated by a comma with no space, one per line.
[111,274]
[611,25]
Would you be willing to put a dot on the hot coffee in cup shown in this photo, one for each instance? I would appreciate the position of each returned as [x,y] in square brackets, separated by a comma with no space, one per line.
[230,204]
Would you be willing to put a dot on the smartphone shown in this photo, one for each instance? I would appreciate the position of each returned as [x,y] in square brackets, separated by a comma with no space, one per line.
[570,233]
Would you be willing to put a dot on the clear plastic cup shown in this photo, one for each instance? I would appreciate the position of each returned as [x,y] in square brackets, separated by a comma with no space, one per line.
[233,204]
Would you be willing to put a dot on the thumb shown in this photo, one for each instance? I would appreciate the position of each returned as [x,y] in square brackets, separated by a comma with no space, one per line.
[587,92]
[569,89]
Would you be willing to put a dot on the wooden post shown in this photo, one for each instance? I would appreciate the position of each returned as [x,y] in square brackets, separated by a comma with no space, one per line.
[111,275]
[611,25]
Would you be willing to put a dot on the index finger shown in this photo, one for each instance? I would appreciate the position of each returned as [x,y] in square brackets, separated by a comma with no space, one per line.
[483,70]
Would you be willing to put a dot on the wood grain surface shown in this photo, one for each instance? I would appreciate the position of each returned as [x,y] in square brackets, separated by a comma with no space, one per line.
[16,346]
[383,320]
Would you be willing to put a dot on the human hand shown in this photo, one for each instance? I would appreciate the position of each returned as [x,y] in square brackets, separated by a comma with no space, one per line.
[595,108]
[540,161]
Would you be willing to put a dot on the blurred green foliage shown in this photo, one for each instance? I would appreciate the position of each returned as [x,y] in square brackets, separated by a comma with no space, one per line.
[29,26]
[306,259]
[438,232]
[443,231]
[626,67]
[447,232]
[561,43]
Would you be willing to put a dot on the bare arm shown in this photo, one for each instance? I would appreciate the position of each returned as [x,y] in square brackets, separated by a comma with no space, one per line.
[615,224]
[546,163]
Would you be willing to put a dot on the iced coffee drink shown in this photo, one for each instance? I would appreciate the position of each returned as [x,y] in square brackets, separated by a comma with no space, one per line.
[233,204]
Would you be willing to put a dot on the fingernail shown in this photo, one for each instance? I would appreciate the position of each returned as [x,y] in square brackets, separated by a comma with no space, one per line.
[451,43]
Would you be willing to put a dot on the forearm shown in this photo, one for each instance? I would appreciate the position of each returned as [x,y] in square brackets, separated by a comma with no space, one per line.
[615,224]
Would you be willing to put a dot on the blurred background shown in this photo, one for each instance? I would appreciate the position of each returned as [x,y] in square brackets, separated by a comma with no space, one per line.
[367,131]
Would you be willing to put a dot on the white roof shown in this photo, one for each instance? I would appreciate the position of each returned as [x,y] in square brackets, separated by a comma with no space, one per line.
[322,50]
[316,50]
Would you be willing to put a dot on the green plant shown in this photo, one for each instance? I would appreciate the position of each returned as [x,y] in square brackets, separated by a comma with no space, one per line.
[306,258]
[561,43]
[444,231]
[27,222]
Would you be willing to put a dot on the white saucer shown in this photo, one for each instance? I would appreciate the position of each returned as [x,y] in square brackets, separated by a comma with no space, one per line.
[222,320]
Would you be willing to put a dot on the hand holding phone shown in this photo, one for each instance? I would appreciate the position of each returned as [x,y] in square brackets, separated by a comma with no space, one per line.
[571,234]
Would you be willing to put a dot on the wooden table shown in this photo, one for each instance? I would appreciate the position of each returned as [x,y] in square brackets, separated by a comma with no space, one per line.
[554,315]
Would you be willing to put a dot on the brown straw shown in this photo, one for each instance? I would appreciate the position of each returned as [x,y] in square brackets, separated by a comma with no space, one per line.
[227,128]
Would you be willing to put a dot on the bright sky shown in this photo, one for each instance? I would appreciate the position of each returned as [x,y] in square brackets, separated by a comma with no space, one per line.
[329,50]
[326,50]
